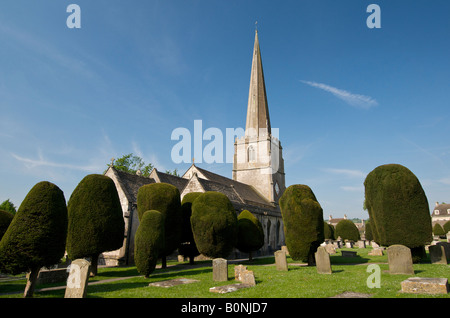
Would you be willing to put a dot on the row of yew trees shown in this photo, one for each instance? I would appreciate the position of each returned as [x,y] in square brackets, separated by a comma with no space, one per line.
[44,227]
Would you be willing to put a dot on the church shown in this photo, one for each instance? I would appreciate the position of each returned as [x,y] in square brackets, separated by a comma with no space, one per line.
[258,178]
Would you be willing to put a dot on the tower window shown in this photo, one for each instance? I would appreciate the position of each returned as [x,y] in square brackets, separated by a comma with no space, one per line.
[251,154]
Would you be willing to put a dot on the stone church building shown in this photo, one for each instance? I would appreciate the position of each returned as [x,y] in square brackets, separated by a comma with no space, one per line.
[258,178]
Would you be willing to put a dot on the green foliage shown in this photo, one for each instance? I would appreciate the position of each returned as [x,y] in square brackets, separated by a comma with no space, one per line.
[250,233]
[165,198]
[303,222]
[438,230]
[6,218]
[347,230]
[368,231]
[7,205]
[328,231]
[131,164]
[397,206]
[96,222]
[214,224]
[36,236]
[447,227]
[149,241]
[188,248]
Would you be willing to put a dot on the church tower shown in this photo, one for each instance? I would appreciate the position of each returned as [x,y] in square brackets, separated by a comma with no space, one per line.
[258,159]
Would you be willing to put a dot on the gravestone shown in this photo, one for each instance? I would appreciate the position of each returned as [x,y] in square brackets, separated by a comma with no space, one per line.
[376,251]
[374,245]
[361,244]
[348,253]
[285,249]
[446,246]
[349,244]
[220,270]
[437,254]
[400,260]
[330,248]
[248,278]
[281,261]
[323,264]
[238,270]
[78,279]
[425,285]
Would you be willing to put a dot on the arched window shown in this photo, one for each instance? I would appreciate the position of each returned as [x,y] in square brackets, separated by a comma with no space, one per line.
[251,154]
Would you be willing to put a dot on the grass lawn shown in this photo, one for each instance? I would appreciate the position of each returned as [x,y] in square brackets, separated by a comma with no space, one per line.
[349,274]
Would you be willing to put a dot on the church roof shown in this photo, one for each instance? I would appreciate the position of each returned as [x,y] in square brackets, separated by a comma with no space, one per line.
[130,183]
[257,109]
[179,182]
[241,195]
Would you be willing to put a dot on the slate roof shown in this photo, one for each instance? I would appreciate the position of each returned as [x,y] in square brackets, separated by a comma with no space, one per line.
[443,210]
[179,182]
[130,183]
[242,196]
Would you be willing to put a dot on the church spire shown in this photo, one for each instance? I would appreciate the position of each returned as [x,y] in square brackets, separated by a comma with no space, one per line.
[258,121]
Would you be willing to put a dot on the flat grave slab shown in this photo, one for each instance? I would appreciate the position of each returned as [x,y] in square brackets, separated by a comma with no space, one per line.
[173,282]
[228,288]
[425,285]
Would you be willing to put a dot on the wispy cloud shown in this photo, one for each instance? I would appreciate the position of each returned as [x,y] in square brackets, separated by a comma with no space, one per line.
[347,172]
[355,100]
[353,189]
[41,162]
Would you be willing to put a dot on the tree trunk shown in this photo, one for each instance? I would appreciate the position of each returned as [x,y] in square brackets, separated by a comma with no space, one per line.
[250,256]
[31,282]
[163,262]
[94,265]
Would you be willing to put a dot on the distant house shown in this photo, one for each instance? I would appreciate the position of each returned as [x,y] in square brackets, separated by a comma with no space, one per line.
[440,214]
[335,221]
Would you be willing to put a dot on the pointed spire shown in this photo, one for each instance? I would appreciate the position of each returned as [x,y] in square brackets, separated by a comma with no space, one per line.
[258,121]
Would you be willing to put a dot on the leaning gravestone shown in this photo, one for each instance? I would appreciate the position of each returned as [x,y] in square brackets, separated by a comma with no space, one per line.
[437,254]
[220,270]
[446,246]
[238,270]
[323,264]
[78,279]
[280,261]
[400,260]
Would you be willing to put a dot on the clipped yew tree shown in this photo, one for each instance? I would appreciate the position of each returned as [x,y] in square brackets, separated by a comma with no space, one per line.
[165,198]
[214,224]
[303,222]
[347,230]
[368,231]
[36,236]
[438,230]
[446,227]
[398,208]
[6,218]
[250,233]
[188,248]
[149,241]
[328,231]
[96,222]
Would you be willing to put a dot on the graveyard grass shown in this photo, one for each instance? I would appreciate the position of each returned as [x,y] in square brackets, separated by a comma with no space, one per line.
[301,281]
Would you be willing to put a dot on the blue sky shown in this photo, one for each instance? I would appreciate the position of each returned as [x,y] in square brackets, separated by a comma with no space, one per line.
[346,98]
